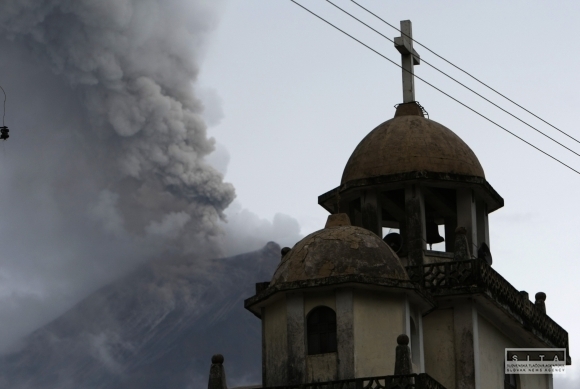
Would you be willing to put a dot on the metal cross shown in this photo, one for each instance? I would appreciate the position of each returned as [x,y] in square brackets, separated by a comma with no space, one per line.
[409,58]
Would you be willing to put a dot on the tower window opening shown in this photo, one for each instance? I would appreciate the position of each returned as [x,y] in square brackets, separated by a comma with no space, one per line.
[440,219]
[392,237]
[321,331]
[435,235]
[441,246]
[388,230]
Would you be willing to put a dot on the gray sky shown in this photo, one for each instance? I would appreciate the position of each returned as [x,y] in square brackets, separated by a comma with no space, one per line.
[297,97]
[287,99]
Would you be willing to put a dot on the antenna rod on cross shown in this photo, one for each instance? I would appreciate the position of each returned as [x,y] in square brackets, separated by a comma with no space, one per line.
[409,58]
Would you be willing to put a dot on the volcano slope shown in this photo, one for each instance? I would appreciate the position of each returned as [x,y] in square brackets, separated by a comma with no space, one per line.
[155,328]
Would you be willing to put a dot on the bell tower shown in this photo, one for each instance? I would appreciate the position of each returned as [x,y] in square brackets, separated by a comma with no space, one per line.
[403,263]
[416,177]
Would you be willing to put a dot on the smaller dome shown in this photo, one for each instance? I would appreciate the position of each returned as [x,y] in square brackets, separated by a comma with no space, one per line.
[339,250]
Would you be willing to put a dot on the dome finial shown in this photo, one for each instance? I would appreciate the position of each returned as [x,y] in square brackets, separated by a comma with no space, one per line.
[409,109]
[337,220]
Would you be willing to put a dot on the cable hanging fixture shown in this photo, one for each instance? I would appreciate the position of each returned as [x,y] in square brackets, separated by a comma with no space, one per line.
[3,129]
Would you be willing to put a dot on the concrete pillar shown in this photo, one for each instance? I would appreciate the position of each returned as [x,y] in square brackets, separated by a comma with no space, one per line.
[339,204]
[404,252]
[466,346]
[372,212]
[354,212]
[541,301]
[461,245]
[482,224]
[264,354]
[296,338]
[403,363]
[345,333]
[217,374]
[450,226]
[466,216]
[415,225]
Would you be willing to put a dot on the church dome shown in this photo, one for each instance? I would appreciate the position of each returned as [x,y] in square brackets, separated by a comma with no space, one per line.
[411,143]
[339,250]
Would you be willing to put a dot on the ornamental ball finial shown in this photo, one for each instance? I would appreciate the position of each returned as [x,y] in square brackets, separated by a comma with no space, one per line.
[540,296]
[337,220]
[217,358]
[402,340]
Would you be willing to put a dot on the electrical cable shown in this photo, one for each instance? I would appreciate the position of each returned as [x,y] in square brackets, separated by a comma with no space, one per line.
[460,83]
[475,78]
[437,89]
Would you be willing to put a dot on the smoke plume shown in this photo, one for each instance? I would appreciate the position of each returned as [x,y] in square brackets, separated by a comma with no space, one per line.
[105,166]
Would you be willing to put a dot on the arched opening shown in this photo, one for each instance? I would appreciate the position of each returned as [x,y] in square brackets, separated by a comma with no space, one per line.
[321,331]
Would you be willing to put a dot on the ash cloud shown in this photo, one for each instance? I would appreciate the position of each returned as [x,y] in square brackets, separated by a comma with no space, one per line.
[106,164]
[247,232]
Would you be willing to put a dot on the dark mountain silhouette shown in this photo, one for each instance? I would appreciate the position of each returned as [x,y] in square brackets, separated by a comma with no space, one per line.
[155,328]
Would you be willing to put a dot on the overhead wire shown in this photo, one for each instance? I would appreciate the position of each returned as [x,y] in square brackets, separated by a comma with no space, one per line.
[467,73]
[437,89]
[459,82]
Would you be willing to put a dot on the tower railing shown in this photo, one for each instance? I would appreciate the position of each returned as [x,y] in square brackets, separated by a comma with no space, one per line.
[476,276]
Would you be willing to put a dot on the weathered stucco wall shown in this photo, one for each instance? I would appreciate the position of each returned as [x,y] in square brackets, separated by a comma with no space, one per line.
[276,344]
[535,381]
[312,301]
[378,320]
[439,349]
[492,345]
[345,333]
[321,367]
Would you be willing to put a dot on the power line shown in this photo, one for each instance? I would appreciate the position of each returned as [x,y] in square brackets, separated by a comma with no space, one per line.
[460,83]
[439,90]
[476,79]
